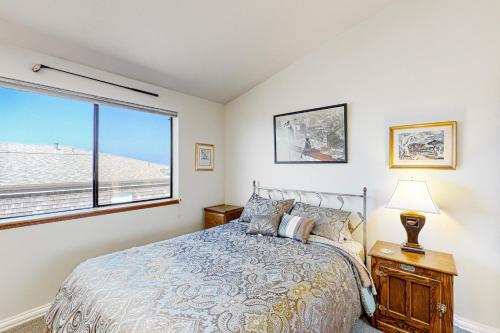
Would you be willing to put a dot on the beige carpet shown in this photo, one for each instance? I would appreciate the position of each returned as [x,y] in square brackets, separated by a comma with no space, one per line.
[36,326]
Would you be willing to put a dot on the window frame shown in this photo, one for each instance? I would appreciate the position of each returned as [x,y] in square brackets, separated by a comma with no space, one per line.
[29,220]
[95,164]
[96,209]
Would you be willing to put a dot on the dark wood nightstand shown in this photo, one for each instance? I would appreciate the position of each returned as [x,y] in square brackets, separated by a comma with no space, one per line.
[415,291]
[218,215]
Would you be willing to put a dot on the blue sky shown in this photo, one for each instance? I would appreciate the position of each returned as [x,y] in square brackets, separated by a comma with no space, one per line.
[40,119]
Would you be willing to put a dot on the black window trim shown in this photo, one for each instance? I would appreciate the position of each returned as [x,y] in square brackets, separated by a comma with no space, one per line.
[96,101]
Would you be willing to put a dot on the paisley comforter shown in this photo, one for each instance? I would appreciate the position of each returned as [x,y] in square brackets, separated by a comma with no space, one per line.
[218,280]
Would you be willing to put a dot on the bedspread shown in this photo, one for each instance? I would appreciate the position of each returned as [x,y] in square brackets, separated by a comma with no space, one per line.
[218,280]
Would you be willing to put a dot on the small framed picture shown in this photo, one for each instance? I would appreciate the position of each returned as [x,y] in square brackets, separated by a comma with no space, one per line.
[204,157]
[423,146]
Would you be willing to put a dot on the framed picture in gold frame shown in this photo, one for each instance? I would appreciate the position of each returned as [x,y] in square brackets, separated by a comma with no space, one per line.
[432,145]
[204,157]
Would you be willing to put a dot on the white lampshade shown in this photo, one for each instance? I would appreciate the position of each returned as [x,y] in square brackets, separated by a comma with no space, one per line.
[413,195]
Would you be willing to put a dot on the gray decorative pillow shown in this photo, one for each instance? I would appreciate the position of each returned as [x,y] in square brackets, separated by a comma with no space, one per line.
[258,205]
[331,223]
[266,225]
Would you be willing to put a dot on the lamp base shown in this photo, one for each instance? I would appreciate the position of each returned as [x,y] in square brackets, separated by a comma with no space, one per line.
[413,222]
[411,248]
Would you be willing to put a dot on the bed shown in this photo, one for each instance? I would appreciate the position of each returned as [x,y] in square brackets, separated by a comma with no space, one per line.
[217,280]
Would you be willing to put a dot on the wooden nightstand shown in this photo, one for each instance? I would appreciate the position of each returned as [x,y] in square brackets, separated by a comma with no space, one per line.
[415,291]
[218,215]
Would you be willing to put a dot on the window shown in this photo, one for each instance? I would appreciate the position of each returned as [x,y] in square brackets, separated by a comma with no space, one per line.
[134,155]
[60,154]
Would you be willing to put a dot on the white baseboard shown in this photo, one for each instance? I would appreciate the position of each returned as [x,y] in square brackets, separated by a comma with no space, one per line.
[472,326]
[22,318]
[11,322]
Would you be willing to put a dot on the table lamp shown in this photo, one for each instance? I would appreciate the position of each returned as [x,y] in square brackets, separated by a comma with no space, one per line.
[414,198]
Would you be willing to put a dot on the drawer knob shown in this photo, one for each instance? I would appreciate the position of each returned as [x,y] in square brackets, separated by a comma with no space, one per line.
[381,307]
[442,309]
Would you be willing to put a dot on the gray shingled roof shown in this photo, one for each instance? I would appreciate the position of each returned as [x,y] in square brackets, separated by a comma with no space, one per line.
[27,164]
[37,179]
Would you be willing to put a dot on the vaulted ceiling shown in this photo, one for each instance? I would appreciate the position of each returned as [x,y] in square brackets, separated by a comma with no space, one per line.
[215,49]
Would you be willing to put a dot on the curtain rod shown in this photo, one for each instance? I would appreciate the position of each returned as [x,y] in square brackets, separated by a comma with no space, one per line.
[72,93]
[39,67]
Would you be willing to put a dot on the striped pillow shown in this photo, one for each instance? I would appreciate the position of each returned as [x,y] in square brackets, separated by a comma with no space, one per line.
[296,227]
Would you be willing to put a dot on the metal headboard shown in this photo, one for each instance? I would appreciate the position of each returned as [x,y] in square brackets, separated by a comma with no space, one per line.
[339,196]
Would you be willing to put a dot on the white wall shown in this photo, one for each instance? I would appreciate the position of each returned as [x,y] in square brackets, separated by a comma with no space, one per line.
[418,61]
[34,260]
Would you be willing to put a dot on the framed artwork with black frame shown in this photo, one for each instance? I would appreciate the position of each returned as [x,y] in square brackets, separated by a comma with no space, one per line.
[316,135]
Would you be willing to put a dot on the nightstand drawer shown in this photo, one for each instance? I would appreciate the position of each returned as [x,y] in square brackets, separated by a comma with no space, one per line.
[213,220]
[408,268]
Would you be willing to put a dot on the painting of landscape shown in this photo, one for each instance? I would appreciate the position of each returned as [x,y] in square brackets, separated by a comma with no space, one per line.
[431,145]
[311,136]
[427,145]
